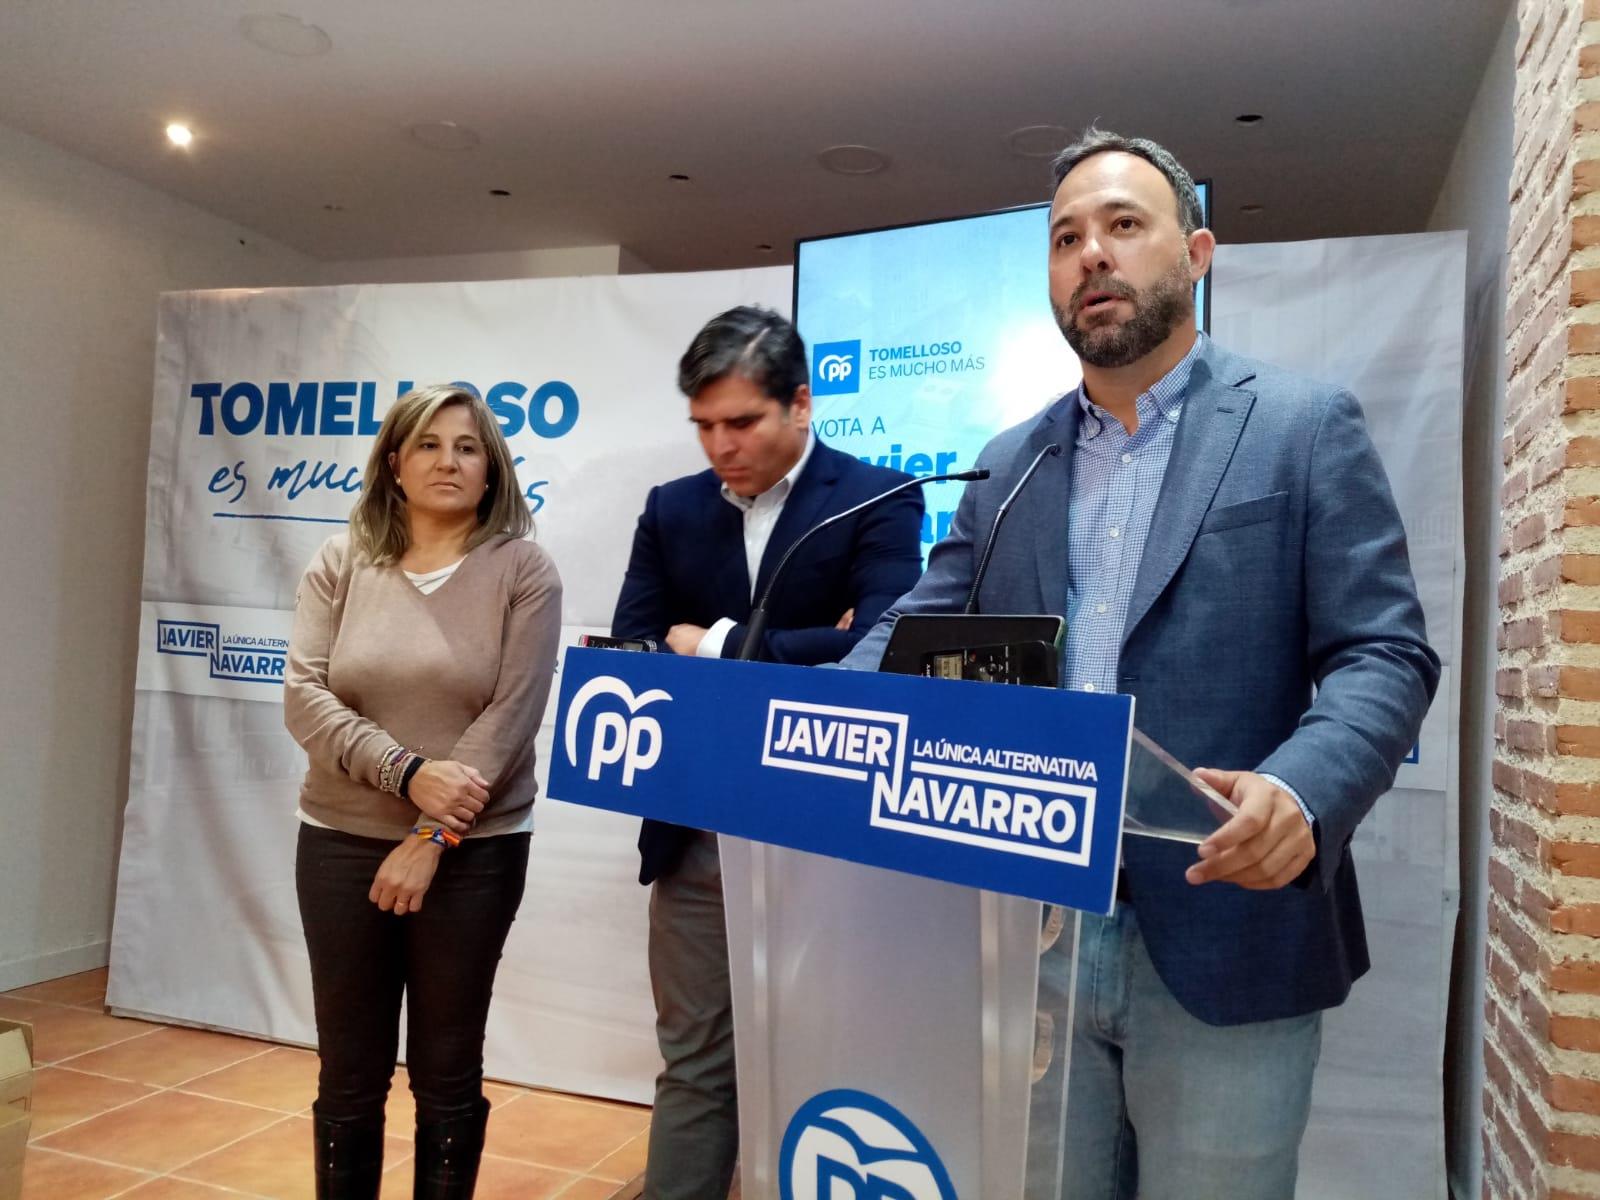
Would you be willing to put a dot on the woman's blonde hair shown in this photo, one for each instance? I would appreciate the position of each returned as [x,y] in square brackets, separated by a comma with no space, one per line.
[378,526]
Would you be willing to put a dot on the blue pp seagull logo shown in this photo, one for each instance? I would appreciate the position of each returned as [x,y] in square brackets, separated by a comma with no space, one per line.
[836,368]
[632,740]
[848,1145]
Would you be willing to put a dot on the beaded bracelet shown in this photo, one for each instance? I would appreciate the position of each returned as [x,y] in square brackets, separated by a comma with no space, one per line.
[437,834]
[396,768]
[386,765]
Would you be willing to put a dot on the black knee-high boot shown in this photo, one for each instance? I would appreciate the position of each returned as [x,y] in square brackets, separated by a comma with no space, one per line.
[448,1154]
[349,1158]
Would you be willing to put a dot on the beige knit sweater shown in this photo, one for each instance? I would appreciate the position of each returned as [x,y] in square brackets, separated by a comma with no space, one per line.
[462,673]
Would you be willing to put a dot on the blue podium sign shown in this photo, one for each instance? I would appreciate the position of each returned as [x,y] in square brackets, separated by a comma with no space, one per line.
[1011,789]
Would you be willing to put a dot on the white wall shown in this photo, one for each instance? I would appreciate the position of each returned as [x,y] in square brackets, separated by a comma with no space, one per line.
[1475,197]
[83,256]
[510,264]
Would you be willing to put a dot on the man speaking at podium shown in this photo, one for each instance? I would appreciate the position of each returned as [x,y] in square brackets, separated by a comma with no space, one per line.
[704,546]
[1222,540]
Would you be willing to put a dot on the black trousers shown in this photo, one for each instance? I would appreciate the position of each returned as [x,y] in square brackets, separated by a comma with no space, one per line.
[441,959]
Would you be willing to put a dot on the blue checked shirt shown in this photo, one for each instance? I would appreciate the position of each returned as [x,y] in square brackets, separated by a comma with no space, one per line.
[1115,480]
[1116,477]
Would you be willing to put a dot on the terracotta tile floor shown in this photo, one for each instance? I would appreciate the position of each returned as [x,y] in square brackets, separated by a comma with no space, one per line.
[151,1112]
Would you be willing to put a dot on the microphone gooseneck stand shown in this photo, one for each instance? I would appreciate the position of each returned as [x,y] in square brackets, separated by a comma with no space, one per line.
[756,628]
[1050,451]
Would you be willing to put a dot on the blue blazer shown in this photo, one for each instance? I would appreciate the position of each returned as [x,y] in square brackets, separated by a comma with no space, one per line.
[688,565]
[1276,564]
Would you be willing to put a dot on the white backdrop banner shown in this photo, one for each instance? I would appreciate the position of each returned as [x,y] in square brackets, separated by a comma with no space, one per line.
[1384,316]
[265,405]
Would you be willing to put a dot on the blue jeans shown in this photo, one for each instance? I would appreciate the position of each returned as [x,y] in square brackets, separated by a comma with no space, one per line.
[1163,1106]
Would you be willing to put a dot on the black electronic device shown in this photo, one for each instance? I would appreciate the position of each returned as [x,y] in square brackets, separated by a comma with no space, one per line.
[992,648]
[600,641]
[1008,662]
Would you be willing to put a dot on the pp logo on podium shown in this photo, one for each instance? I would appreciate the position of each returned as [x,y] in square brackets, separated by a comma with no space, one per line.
[864,1145]
[624,738]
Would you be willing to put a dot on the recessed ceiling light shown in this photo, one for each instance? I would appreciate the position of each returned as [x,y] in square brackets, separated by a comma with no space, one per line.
[282,34]
[678,178]
[1251,210]
[498,192]
[443,135]
[1037,141]
[853,160]
[1249,118]
[179,135]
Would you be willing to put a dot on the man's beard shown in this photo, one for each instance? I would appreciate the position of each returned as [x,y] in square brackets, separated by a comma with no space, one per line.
[1156,313]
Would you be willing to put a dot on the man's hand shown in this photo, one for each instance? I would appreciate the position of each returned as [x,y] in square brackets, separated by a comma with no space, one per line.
[405,875]
[847,620]
[1263,846]
[685,639]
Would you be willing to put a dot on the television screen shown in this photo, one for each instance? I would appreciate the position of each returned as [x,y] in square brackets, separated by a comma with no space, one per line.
[927,340]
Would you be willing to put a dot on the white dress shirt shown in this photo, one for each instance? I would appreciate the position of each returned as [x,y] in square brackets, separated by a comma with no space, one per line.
[761,515]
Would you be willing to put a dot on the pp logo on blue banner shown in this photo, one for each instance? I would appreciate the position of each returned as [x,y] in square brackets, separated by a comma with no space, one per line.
[864,1145]
[624,739]
[836,368]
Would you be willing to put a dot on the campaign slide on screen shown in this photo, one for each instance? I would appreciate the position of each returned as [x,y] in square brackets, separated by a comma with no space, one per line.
[927,340]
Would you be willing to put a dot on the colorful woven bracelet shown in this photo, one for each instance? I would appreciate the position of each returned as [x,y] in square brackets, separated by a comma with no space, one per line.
[437,834]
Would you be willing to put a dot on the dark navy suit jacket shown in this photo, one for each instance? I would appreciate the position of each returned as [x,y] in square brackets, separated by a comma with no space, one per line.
[1276,564]
[688,565]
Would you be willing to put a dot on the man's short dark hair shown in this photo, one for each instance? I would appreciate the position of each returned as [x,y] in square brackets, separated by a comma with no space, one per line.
[1098,141]
[753,343]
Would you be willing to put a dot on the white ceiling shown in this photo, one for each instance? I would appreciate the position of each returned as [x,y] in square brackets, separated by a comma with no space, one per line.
[586,106]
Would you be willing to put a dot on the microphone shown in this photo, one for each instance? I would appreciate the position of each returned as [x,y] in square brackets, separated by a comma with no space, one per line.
[756,627]
[1050,451]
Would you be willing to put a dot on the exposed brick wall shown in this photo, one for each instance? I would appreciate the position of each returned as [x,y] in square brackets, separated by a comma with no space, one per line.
[1542,1019]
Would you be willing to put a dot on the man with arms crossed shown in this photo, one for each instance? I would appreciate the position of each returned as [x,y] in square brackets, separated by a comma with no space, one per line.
[706,545]
[1221,538]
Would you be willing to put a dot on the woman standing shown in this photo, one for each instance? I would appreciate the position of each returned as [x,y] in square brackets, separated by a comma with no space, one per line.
[423,647]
